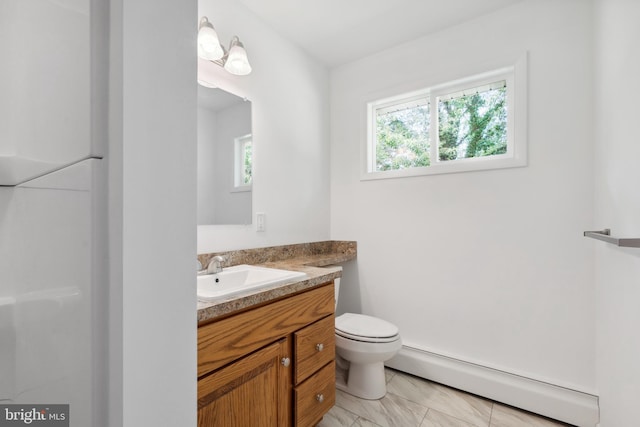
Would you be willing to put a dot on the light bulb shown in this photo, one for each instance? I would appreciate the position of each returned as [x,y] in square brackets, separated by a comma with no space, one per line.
[208,44]
[237,62]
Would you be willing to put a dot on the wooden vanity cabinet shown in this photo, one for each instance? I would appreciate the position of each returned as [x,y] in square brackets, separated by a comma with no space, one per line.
[273,365]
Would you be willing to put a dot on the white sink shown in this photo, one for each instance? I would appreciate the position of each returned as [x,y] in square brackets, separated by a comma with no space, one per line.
[241,278]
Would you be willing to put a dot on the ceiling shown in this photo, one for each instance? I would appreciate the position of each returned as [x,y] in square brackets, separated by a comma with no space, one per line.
[339,31]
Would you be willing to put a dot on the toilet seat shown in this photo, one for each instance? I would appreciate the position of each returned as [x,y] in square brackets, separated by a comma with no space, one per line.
[365,328]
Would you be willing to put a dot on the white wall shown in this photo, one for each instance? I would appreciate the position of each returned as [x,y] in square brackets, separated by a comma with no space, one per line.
[289,93]
[152,213]
[44,107]
[617,207]
[488,267]
[36,36]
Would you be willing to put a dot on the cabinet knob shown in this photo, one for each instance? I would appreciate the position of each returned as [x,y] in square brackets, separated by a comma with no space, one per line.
[320,347]
[320,398]
[285,362]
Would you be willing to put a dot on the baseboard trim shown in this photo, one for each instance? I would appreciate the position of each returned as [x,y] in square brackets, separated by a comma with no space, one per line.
[560,403]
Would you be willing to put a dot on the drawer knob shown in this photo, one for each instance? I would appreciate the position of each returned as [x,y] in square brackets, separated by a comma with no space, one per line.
[320,398]
[319,347]
[285,362]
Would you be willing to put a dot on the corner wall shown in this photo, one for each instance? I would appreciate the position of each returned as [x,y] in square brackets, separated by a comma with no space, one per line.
[617,207]
[488,268]
[152,213]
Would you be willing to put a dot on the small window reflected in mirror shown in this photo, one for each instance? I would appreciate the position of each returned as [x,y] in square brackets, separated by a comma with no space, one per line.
[243,163]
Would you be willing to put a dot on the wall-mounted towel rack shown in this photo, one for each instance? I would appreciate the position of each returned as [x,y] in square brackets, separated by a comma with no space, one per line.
[605,236]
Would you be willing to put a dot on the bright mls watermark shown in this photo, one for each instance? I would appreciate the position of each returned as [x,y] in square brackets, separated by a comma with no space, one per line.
[34,415]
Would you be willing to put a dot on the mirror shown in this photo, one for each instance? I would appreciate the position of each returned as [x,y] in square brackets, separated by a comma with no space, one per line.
[225,161]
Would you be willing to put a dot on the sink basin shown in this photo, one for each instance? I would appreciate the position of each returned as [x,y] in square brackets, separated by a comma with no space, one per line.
[241,278]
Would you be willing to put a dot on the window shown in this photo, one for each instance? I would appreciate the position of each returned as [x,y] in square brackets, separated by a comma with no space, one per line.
[465,125]
[243,172]
[402,134]
[473,122]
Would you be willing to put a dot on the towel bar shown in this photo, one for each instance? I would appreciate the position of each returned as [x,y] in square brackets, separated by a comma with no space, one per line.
[605,236]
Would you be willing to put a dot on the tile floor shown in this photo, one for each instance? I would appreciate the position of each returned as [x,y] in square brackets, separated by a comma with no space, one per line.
[415,402]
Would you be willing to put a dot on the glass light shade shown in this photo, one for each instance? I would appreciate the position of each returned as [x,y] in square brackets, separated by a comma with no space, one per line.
[208,44]
[237,62]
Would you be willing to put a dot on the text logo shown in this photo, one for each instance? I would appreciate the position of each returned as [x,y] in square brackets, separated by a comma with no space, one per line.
[34,415]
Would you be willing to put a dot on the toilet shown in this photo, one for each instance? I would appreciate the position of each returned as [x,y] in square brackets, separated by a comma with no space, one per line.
[363,344]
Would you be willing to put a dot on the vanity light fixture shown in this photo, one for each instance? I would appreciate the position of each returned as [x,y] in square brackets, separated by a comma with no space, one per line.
[233,60]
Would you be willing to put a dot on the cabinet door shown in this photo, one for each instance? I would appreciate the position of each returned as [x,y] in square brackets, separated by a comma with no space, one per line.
[250,392]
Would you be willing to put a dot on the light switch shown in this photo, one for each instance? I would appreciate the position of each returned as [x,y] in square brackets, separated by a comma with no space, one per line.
[260,221]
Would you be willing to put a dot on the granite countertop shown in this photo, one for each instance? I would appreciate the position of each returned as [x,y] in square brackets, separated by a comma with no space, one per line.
[317,260]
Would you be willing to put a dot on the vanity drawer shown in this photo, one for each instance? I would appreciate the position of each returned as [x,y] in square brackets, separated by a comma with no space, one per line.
[314,347]
[226,340]
[315,397]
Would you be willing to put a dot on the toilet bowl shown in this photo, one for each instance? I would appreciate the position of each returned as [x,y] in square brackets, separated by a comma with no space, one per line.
[363,344]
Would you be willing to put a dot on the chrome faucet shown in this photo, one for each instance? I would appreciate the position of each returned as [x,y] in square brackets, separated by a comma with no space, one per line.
[215,265]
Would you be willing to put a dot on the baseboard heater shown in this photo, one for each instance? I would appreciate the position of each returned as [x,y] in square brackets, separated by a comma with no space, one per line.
[553,401]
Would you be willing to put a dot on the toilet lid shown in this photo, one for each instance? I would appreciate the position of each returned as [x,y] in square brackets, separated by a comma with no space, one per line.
[365,328]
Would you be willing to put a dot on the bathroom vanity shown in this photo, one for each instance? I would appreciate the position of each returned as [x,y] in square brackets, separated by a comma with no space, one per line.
[268,358]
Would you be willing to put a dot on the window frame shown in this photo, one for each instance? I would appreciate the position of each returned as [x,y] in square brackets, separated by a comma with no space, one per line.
[516,156]
[238,163]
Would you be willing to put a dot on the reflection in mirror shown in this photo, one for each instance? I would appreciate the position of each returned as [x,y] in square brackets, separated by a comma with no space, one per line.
[225,161]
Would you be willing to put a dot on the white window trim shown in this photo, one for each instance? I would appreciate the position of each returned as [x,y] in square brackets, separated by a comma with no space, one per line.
[516,156]
[238,164]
